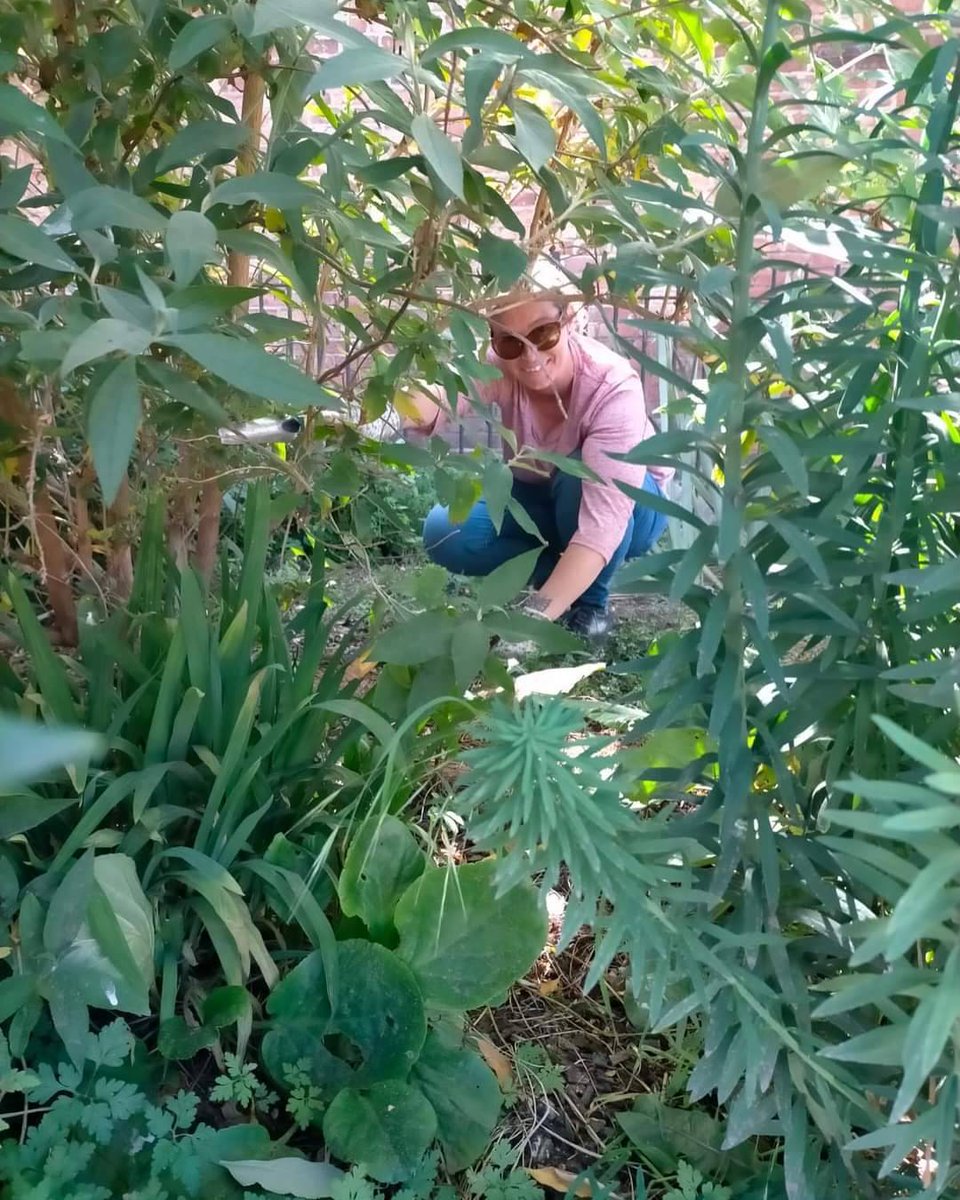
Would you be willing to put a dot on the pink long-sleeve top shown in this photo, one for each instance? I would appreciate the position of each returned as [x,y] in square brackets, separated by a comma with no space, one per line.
[606,414]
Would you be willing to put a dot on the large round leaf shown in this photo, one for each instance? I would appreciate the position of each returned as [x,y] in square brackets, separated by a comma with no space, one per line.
[383,860]
[375,1030]
[465,1096]
[385,1130]
[465,944]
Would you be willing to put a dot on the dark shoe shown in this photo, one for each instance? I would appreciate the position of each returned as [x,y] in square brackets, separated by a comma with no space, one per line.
[589,622]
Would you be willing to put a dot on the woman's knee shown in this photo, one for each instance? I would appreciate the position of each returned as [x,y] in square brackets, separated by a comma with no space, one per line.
[452,546]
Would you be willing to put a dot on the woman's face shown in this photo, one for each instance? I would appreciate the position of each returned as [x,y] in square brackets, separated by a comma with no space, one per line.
[518,331]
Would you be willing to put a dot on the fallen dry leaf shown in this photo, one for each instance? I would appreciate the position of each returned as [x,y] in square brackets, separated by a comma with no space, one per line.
[360,667]
[548,987]
[556,681]
[559,1181]
[496,1060]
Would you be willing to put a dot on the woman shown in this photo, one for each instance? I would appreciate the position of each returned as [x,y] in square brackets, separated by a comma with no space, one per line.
[569,395]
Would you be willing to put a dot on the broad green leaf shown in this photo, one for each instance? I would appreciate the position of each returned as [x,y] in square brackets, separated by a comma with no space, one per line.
[465,1096]
[535,137]
[113,420]
[507,581]
[441,153]
[18,813]
[121,918]
[266,187]
[191,243]
[378,1013]
[251,369]
[495,45]
[466,944]
[199,34]
[282,14]
[287,1176]
[176,1040]
[102,207]
[24,240]
[501,258]
[415,641]
[469,648]
[497,488]
[385,1130]
[518,627]
[21,115]
[354,67]
[383,860]
[665,1134]
[68,905]
[225,1006]
[199,139]
[28,750]
[104,337]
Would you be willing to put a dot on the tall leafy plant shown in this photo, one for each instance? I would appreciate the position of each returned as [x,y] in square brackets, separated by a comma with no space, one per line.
[822,445]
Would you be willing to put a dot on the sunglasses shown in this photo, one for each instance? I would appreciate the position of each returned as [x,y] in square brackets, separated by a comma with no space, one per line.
[511,345]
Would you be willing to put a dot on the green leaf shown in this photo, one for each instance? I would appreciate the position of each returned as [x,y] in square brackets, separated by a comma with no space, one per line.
[104,337]
[518,627]
[24,240]
[665,1134]
[465,1096]
[495,44]
[29,751]
[68,905]
[102,207]
[535,137]
[415,641]
[788,455]
[355,67]
[383,860]
[499,257]
[22,115]
[178,1041]
[469,649]
[509,579]
[287,1176]
[121,919]
[184,390]
[113,421]
[386,1130]
[922,904]
[251,369]
[199,139]
[225,1006]
[265,187]
[465,943]
[199,34]
[378,1013]
[191,242]
[18,813]
[497,489]
[282,14]
[441,153]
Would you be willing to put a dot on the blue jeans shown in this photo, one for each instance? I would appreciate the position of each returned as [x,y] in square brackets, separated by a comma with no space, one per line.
[475,547]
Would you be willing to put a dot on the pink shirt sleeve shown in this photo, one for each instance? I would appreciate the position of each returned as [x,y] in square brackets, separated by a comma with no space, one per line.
[618,423]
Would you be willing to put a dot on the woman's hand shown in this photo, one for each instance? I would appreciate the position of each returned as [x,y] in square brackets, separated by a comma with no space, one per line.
[577,569]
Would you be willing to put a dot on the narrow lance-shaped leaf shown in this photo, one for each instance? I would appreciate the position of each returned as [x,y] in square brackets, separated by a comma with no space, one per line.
[112,424]
[441,153]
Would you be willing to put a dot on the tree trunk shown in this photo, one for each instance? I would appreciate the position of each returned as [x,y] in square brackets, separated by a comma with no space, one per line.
[120,560]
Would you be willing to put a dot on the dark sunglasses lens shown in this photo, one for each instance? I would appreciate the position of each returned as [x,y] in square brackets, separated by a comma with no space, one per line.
[545,337]
[507,346]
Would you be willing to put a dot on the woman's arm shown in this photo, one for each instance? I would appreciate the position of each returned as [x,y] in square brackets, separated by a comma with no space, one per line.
[577,569]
